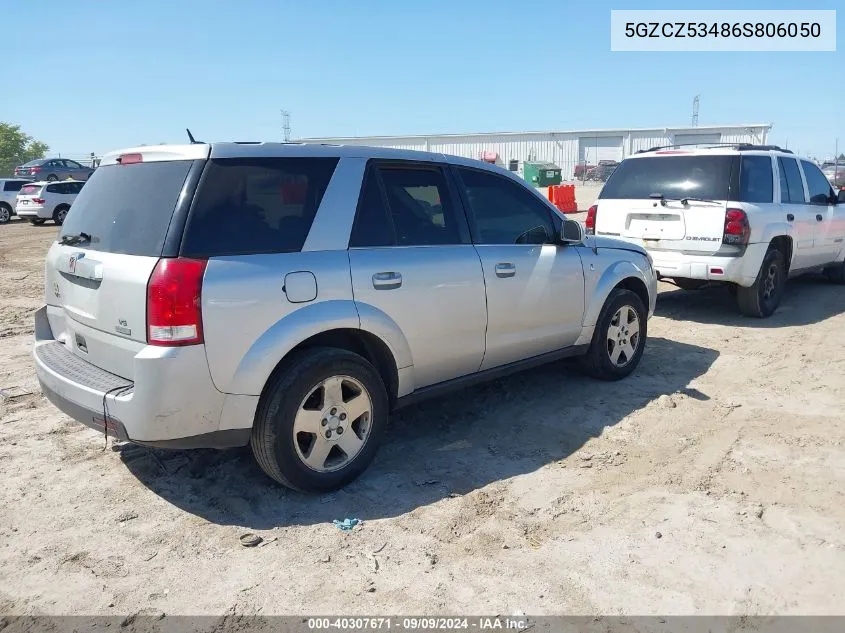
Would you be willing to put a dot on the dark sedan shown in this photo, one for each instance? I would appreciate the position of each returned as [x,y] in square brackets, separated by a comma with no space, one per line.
[51,169]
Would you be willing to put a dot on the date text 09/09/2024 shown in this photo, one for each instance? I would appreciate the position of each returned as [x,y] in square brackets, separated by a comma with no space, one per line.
[496,623]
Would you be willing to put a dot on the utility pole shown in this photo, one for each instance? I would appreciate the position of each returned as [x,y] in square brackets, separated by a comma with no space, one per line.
[286,126]
[695,103]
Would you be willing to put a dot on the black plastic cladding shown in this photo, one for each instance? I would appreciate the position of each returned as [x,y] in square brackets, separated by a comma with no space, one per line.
[173,239]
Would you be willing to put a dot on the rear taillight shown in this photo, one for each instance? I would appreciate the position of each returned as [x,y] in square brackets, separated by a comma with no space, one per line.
[737,229]
[590,222]
[39,200]
[174,311]
[34,170]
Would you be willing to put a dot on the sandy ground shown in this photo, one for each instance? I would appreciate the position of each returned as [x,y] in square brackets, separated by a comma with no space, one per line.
[711,481]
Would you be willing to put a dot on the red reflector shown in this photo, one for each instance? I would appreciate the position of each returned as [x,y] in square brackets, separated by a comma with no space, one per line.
[717,271]
[590,221]
[128,159]
[174,309]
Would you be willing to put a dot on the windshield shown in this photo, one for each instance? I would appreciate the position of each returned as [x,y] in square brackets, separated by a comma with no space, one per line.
[127,208]
[675,177]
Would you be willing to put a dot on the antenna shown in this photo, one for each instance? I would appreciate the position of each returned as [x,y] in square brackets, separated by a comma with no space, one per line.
[695,102]
[191,138]
[286,126]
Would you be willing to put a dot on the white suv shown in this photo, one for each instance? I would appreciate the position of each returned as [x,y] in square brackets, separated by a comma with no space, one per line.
[9,189]
[748,215]
[42,201]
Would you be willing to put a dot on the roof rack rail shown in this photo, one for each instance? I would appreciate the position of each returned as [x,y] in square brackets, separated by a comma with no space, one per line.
[739,146]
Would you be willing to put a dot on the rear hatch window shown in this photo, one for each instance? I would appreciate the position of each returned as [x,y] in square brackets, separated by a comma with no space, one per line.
[31,190]
[127,209]
[673,177]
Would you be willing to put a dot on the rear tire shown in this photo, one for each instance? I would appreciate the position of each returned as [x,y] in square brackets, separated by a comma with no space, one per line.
[836,274]
[315,394]
[52,178]
[5,213]
[619,338]
[763,298]
[60,213]
[37,221]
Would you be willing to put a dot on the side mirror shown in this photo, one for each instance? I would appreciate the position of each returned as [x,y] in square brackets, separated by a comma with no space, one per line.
[572,232]
[840,198]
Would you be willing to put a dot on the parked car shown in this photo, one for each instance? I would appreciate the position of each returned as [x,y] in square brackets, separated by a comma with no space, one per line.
[288,296]
[42,201]
[748,216]
[582,169]
[601,173]
[51,169]
[9,188]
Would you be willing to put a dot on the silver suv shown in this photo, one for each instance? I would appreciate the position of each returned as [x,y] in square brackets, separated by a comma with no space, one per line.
[289,296]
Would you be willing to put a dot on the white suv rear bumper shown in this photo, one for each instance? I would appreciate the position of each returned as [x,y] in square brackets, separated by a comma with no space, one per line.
[740,270]
[172,403]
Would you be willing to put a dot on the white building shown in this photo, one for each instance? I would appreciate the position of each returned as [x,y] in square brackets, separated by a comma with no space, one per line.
[565,149]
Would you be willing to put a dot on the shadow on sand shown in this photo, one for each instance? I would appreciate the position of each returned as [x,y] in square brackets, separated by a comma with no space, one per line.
[452,445]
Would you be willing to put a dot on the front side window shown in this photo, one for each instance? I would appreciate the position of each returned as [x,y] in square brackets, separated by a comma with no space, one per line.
[817,184]
[505,212]
[756,182]
[791,185]
[256,205]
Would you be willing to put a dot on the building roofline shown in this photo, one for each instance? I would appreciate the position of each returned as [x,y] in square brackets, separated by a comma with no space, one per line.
[767,126]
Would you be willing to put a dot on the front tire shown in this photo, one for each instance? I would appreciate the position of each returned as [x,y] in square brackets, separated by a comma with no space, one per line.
[619,338]
[320,420]
[5,213]
[762,298]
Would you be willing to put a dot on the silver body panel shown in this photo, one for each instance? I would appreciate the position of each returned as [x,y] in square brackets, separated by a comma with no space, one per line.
[443,312]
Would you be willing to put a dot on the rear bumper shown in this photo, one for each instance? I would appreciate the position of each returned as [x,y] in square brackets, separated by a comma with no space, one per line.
[171,404]
[33,212]
[741,269]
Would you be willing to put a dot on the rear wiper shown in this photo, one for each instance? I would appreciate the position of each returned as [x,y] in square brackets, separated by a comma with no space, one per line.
[685,201]
[72,240]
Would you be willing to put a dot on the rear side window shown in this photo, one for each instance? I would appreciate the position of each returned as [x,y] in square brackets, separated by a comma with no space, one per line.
[127,208]
[675,177]
[31,190]
[756,179]
[256,205]
[13,185]
[372,227]
[791,186]
[60,188]
[817,183]
[420,207]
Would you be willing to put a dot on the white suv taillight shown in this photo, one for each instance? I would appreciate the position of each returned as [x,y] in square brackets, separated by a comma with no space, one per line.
[590,221]
[174,309]
[737,230]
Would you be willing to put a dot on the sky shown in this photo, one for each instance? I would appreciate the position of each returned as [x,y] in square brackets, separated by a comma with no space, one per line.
[119,74]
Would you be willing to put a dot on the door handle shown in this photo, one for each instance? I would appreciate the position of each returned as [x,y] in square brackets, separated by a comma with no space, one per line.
[505,269]
[789,217]
[819,217]
[387,281]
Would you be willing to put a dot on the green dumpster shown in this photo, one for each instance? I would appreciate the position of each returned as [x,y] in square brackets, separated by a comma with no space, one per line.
[542,174]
